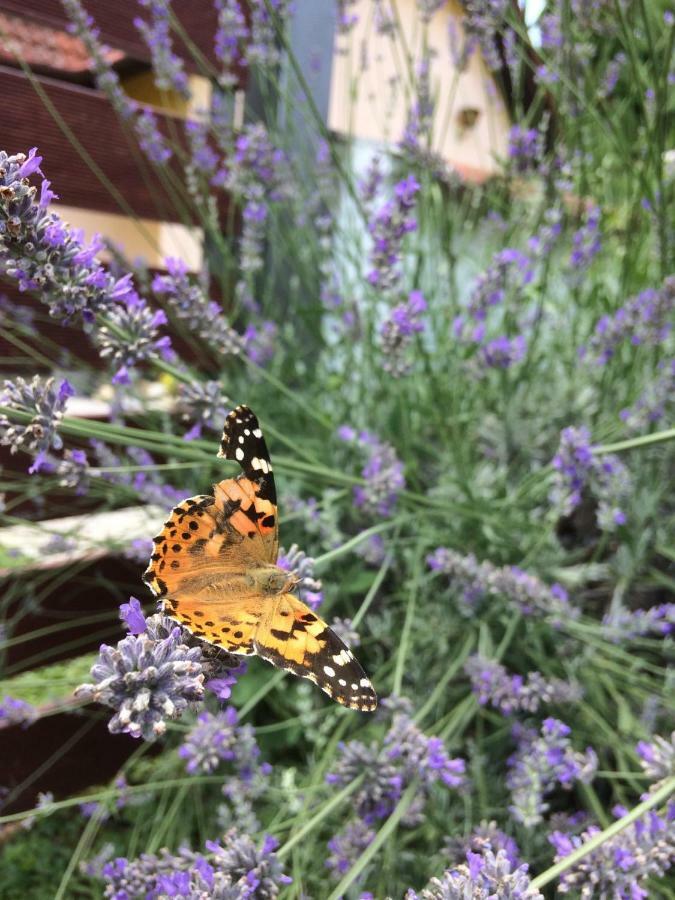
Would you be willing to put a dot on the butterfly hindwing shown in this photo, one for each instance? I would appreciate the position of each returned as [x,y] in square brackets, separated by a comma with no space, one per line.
[293,637]
[230,624]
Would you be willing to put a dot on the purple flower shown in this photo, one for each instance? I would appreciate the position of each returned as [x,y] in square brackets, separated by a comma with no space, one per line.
[486,836]
[168,71]
[586,242]
[219,738]
[16,712]
[132,616]
[388,227]
[308,588]
[107,78]
[398,331]
[146,679]
[30,165]
[658,757]
[508,273]
[222,686]
[483,22]
[503,352]
[370,186]
[644,319]
[406,753]
[189,303]
[261,343]
[232,869]
[383,473]
[40,253]
[622,865]
[526,147]
[653,402]
[131,336]
[205,404]
[477,580]
[345,18]
[491,682]
[484,876]
[347,846]
[541,762]
[44,403]
[151,140]
[577,469]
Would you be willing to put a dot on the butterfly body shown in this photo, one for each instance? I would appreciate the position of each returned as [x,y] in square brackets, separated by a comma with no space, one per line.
[214,569]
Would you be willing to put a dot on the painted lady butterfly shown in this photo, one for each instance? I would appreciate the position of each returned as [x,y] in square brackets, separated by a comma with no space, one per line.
[214,569]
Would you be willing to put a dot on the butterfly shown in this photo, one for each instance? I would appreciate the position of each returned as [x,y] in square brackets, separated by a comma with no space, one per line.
[214,570]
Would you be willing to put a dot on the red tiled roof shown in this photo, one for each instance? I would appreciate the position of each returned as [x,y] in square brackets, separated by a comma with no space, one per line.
[43,46]
[115,20]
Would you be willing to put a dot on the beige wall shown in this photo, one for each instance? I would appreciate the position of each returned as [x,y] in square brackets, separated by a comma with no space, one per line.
[147,239]
[369,101]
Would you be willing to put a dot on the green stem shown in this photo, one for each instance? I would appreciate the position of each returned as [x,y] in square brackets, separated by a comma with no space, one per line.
[659,796]
[325,810]
[642,441]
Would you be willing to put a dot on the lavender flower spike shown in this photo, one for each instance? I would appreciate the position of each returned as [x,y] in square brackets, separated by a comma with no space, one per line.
[577,469]
[486,876]
[46,405]
[622,865]
[541,762]
[478,580]
[219,738]
[658,757]
[296,561]
[511,693]
[147,678]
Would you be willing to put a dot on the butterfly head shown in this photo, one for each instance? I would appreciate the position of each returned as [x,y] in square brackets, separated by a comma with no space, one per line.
[272,580]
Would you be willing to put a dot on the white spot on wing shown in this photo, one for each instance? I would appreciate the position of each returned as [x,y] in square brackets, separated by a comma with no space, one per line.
[365,682]
[257,433]
[239,453]
[330,671]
